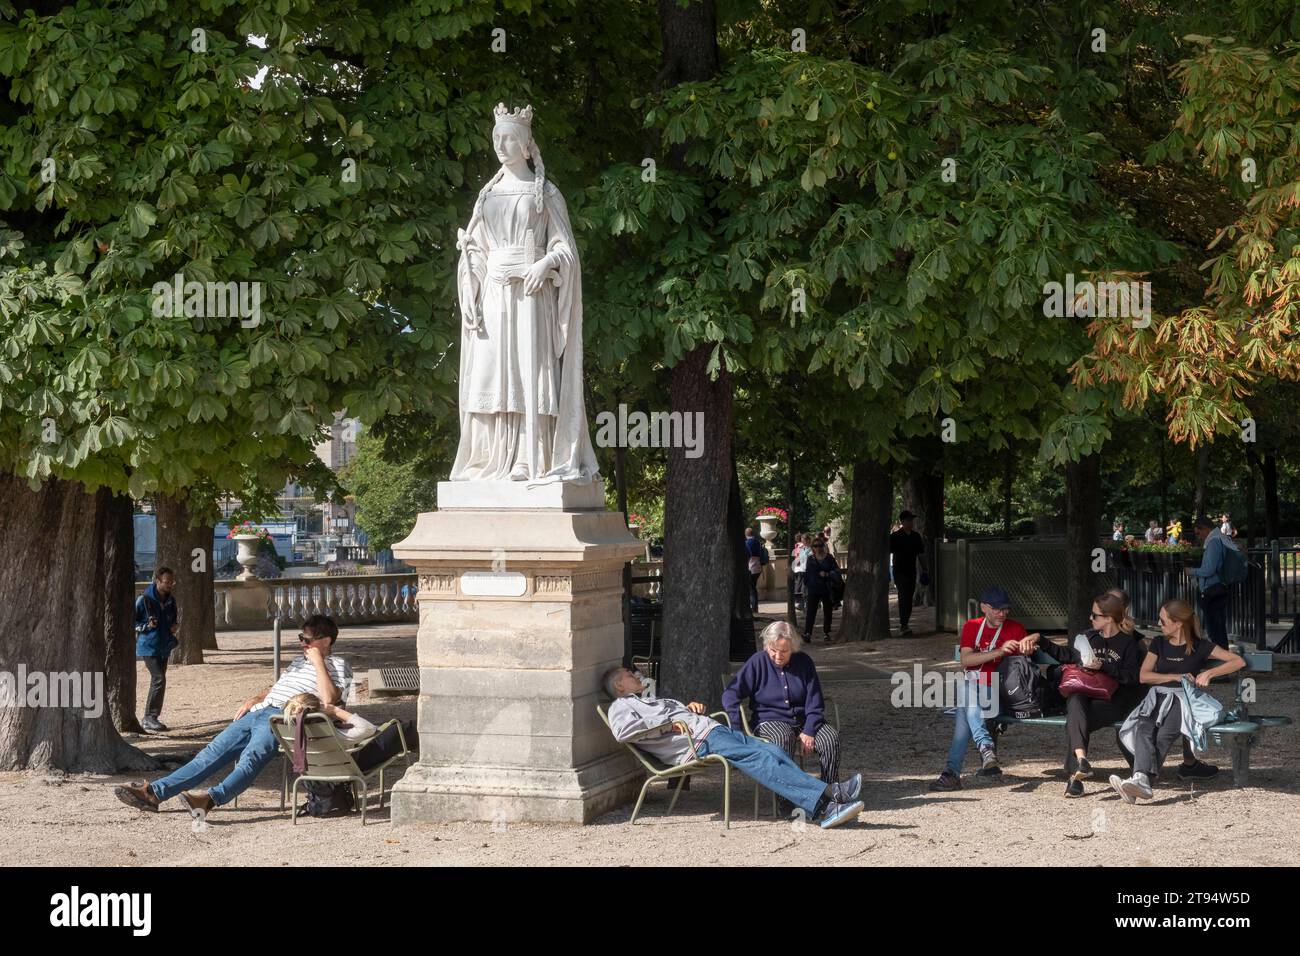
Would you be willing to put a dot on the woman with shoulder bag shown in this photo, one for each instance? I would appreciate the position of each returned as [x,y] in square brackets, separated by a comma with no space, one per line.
[1100,691]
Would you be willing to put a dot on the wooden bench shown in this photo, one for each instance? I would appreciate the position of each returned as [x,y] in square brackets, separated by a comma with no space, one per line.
[1239,733]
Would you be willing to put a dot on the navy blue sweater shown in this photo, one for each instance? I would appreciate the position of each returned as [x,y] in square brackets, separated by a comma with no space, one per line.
[792,694]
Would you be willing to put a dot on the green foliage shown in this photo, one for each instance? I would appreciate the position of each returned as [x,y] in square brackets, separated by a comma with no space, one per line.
[173,161]
[390,494]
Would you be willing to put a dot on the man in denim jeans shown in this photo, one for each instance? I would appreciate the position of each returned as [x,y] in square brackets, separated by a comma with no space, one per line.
[249,742]
[984,642]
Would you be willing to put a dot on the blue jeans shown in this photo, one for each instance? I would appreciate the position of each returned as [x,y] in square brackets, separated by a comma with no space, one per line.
[967,725]
[249,743]
[767,764]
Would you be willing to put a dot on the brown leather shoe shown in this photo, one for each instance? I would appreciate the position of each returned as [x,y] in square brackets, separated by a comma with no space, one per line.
[198,803]
[138,795]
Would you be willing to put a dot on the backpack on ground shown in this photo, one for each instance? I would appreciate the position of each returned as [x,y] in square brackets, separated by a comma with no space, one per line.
[1234,567]
[1020,686]
[326,799]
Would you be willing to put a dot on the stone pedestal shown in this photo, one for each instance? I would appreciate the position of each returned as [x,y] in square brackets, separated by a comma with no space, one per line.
[520,595]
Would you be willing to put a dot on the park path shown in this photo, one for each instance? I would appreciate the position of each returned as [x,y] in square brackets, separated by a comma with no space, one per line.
[1020,819]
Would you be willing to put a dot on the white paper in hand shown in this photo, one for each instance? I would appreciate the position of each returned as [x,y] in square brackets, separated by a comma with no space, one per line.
[1086,654]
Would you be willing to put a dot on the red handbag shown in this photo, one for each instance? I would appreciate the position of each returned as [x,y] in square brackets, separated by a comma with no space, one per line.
[1089,683]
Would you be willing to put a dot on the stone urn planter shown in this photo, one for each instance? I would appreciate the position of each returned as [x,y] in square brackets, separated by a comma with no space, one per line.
[767,528]
[247,556]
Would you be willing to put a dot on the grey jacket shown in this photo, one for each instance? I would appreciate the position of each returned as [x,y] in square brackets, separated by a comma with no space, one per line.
[645,722]
[1199,711]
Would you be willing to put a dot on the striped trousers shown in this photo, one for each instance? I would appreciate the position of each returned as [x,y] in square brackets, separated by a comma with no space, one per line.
[826,742]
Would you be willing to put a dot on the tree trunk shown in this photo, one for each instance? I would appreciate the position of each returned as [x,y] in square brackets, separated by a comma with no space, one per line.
[1082,536]
[119,616]
[792,514]
[183,547]
[57,547]
[1252,530]
[1202,472]
[701,565]
[1272,516]
[700,559]
[866,593]
[1164,482]
[923,495]
[1008,475]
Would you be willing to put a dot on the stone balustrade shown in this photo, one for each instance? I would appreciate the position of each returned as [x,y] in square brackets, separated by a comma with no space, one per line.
[348,599]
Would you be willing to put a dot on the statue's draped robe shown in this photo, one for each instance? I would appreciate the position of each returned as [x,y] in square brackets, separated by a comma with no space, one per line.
[492,376]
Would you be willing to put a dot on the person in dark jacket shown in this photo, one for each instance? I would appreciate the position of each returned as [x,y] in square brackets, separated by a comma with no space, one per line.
[155,623]
[906,548]
[784,694]
[755,557]
[1116,653]
[821,574]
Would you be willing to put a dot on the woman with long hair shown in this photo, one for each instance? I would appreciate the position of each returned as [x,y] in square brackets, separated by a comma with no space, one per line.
[1178,651]
[1116,653]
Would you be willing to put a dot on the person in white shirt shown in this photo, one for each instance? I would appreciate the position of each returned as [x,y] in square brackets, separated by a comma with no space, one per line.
[1153,531]
[249,741]
[1225,526]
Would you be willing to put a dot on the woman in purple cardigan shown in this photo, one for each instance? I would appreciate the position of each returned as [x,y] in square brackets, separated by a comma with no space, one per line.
[781,686]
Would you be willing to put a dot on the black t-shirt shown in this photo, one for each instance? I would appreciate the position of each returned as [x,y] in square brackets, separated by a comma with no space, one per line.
[1175,659]
[906,547]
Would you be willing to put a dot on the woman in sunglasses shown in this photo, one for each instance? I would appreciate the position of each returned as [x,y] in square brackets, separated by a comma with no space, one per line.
[1116,653]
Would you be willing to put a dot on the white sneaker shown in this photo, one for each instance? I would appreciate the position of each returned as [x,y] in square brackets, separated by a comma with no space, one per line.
[1131,789]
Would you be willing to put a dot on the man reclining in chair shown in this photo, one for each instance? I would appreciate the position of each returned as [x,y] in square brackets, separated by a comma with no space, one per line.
[249,742]
[676,733]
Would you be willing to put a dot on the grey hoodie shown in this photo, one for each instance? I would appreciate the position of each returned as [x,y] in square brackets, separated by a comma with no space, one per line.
[642,721]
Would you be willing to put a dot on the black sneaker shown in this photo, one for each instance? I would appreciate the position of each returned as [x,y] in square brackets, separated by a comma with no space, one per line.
[1196,770]
[153,725]
[1083,771]
[947,781]
[1074,788]
[904,632]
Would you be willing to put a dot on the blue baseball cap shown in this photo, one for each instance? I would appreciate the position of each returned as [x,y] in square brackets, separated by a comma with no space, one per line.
[995,597]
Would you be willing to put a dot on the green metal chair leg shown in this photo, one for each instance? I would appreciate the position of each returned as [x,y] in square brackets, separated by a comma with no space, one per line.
[681,782]
[294,817]
[726,794]
[381,790]
[639,800]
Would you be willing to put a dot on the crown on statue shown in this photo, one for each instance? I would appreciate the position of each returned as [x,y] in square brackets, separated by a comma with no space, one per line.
[520,117]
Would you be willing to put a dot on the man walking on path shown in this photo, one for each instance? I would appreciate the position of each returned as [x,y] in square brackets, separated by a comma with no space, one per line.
[906,548]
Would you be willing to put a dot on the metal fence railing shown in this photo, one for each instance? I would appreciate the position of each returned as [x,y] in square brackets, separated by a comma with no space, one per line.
[1151,579]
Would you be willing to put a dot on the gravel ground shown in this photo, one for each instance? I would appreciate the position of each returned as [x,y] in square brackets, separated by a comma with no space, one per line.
[1021,818]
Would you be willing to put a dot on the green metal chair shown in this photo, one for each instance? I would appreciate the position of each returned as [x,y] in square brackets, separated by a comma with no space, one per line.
[329,760]
[658,770]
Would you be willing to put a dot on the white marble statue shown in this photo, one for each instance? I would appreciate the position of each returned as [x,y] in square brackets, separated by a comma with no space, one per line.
[522,414]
